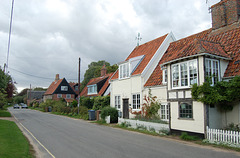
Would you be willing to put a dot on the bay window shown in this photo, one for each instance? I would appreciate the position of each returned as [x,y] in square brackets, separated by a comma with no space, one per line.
[184,74]
[212,70]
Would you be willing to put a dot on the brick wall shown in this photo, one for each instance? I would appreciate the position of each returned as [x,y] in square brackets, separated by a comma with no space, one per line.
[225,13]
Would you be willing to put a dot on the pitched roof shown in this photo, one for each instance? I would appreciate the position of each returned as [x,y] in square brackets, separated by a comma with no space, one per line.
[72,84]
[148,50]
[225,43]
[53,87]
[95,81]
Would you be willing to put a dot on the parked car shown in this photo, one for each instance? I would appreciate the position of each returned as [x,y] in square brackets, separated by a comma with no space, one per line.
[16,106]
[24,106]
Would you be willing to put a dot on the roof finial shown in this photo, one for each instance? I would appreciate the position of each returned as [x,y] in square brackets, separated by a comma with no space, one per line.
[138,38]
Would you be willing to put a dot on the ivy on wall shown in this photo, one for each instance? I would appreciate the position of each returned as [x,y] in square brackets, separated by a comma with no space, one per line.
[223,93]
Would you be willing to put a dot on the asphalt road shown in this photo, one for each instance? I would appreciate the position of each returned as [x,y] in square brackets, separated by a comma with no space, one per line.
[69,138]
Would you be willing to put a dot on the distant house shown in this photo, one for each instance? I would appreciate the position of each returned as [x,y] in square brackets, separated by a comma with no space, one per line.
[74,87]
[213,53]
[127,84]
[36,96]
[99,86]
[60,89]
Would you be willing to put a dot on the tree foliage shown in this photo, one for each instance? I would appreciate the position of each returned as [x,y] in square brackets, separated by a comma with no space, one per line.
[223,93]
[94,70]
[6,88]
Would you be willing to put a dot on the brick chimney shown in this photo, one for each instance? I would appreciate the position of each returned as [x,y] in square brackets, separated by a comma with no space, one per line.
[224,13]
[103,70]
[57,77]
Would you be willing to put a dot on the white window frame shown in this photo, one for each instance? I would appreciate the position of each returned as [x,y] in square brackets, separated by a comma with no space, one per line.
[164,76]
[117,102]
[59,95]
[176,70]
[213,69]
[136,102]
[164,111]
[92,89]
[64,88]
[124,70]
[68,96]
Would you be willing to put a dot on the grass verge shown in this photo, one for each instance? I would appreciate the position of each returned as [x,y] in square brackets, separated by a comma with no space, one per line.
[5,113]
[12,142]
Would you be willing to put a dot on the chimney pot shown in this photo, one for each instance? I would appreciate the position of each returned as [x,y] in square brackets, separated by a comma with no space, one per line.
[103,70]
[57,77]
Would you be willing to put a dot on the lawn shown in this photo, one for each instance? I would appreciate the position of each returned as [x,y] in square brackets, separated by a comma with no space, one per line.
[4,113]
[13,143]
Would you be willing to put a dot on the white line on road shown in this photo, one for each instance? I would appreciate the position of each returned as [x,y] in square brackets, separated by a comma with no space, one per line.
[34,137]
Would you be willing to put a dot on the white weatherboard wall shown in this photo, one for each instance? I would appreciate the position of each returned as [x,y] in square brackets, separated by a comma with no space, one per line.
[192,125]
[125,88]
[160,92]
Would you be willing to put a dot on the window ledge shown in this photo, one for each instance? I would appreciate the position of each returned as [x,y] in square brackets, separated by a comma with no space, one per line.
[190,119]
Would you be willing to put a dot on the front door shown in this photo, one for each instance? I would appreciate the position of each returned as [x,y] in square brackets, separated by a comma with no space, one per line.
[125,108]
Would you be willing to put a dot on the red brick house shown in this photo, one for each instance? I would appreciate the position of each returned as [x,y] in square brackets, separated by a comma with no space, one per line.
[60,89]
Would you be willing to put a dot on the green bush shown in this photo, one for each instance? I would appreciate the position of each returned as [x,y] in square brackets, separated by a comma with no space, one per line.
[87,102]
[58,106]
[185,136]
[101,102]
[106,111]
[74,103]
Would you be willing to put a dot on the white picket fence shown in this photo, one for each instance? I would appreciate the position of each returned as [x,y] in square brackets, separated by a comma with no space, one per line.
[217,135]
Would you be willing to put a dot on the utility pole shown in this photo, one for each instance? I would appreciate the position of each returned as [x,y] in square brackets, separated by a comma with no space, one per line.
[30,96]
[79,65]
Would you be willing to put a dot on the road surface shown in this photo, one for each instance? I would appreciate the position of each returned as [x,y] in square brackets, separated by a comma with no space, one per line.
[64,137]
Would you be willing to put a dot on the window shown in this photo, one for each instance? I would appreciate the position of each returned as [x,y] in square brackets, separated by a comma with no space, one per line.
[164,76]
[92,89]
[64,88]
[184,74]
[212,70]
[136,101]
[117,102]
[124,71]
[76,88]
[165,112]
[185,110]
[68,96]
[59,95]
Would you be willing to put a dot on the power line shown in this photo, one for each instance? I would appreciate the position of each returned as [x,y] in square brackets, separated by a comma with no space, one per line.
[9,37]
[35,75]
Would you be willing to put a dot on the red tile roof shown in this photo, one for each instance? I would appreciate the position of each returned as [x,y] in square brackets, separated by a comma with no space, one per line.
[72,84]
[95,81]
[148,50]
[212,42]
[53,87]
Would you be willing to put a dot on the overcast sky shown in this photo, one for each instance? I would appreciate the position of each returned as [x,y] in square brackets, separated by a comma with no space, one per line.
[48,36]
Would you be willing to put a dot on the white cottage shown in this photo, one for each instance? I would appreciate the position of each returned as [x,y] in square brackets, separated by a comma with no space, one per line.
[212,53]
[127,84]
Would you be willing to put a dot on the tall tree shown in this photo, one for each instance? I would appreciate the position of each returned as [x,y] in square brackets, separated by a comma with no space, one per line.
[94,70]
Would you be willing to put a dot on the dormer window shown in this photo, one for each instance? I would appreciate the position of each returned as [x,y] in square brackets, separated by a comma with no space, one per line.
[124,71]
[92,89]
[184,74]
[64,88]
